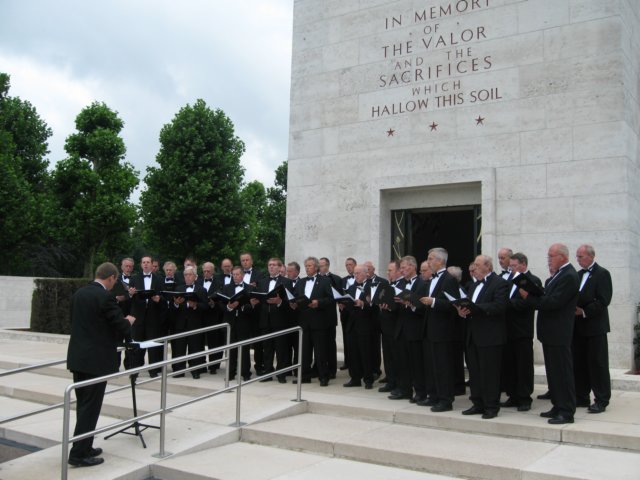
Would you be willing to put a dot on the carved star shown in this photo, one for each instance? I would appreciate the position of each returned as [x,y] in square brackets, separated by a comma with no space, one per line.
[390,132]
[433,126]
[480,120]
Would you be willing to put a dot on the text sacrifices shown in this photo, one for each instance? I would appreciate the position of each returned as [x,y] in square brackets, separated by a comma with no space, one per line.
[433,60]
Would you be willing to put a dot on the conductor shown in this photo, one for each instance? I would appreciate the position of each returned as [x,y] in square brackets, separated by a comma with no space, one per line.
[97,328]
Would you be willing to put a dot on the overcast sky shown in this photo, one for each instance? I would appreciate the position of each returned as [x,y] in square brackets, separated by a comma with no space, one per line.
[148,58]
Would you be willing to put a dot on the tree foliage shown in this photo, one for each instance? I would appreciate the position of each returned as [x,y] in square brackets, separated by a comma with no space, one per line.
[192,204]
[23,181]
[92,187]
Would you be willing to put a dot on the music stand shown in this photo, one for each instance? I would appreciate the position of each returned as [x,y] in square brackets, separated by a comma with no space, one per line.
[137,426]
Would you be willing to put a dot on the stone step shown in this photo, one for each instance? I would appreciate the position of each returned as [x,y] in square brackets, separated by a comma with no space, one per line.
[467,455]
[243,461]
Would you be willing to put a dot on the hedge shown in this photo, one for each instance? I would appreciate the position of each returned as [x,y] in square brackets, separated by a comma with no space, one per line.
[51,304]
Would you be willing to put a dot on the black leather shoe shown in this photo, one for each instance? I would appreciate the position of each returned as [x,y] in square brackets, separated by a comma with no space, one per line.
[324,382]
[180,375]
[94,452]
[343,367]
[282,380]
[304,380]
[383,380]
[473,411]
[549,413]
[352,383]
[427,402]
[560,419]
[246,378]
[418,398]
[544,396]
[399,396]
[85,462]
[268,379]
[489,414]
[509,403]
[442,407]
[386,388]
[153,374]
[368,386]
[597,408]
[524,407]
[213,371]
[195,375]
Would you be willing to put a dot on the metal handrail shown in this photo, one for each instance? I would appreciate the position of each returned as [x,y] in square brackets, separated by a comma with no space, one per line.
[162,411]
[165,341]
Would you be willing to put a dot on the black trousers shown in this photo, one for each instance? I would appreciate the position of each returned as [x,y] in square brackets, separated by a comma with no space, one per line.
[517,370]
[276,349]
[315,346]
[484,375]
[361,365]
[390,360]
[87,413]
[411,374]
[558,362]
[214,339]
[333,352]
[439,370]
[591,368]
[344,322]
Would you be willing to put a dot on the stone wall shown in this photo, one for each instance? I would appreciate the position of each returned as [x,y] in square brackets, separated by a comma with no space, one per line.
[15,301]
[530,107]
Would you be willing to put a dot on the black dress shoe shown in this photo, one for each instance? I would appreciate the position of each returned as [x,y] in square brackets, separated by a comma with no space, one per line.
[324,382]
[474,410]
[343,367]
[544,396]
[549,413]
[399,396]
[489,414]
[368,386]
[153,374]
[560,419]
[85,462]
[94,452]
[268,379]
[180,375]
[428,402]
[304,380]
[418,398]
[596,408]
[386,388]
[282,380]
[195,375]
[509,403]
[524,407]
[213,371]
[442,407]
[383,380]
[246,378]
[352,383]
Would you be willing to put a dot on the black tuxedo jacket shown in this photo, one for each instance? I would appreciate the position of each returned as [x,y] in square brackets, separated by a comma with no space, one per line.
[212,314]
[150,316]
[489,329]
[594,299]
[440,319]
[410,321]
[360,319]
[336,282]
[386,318]
[241,318]
[520,314]
[185,318]
[557,307]
[316,318]
[274,316]
[97,328]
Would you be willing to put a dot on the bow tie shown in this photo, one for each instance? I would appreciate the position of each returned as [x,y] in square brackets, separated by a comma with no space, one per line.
[126,277]
[168,280]
[435,275]
[349,276]
[248,271]
[274,278]
[585,270]
[239,284]
[208,280]
[483,281]
[311,279]
[147,276]
[505,271]
[227,275]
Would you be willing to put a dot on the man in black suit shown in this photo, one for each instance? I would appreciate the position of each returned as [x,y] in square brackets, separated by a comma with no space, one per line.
[213,338]
[239,314]
[409,332]
[336,282]
[590,348]
[439,333]
[517,364]
[347,281]
[459,380]
[504,257]
[293,277]
[251,277]
[188,315]
[224,277]
[556,318]
[360,331]
[150,314]
[97,328]
[486,335]
[373,282]
[121,288]
[387,316]
[315,320]
[274,316]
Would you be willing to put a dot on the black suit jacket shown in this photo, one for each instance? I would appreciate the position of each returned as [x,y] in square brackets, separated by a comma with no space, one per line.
[490,328]
[97,328]
[440,320]
[336,282]
[185,318]
[316,318]
[557,307]
[150,316]
[410,321]
[594,299]
[520,314]
[274,316]
[360,319]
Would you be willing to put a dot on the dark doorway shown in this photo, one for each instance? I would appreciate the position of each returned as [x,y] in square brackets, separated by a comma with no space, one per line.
[455,228]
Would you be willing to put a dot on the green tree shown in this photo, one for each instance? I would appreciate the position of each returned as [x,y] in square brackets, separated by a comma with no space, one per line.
[23,182]
[254,196]
[192,204]
[92,188]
